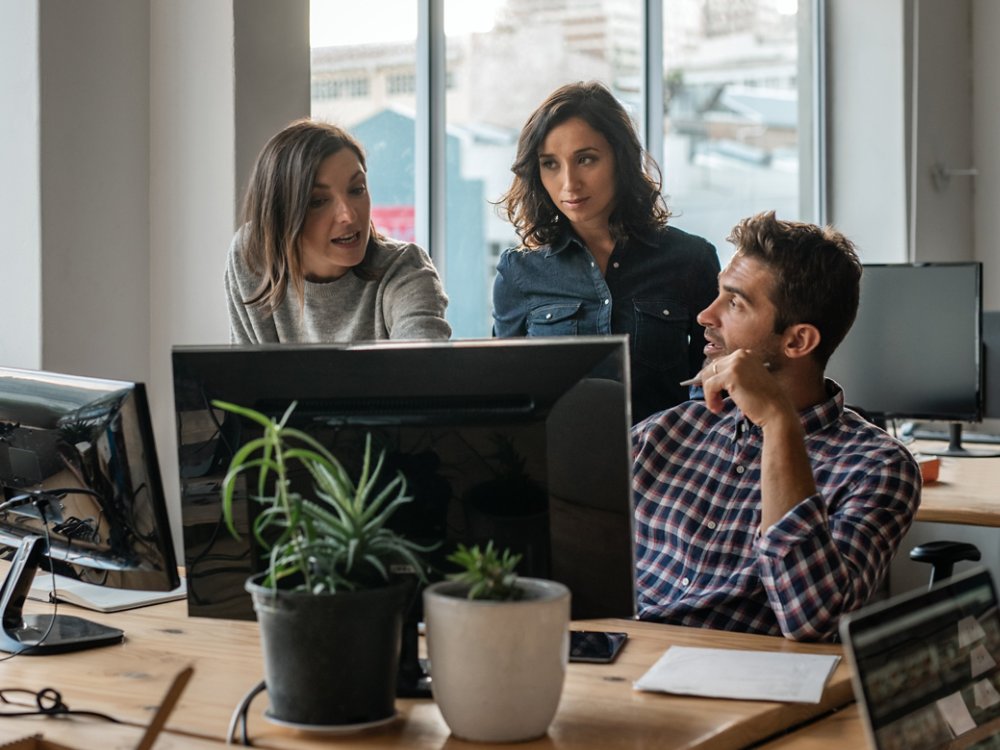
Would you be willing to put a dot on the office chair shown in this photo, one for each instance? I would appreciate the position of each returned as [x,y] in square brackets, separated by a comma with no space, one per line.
[942,556]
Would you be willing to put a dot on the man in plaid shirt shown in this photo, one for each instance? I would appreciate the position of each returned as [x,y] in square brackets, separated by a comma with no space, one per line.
[769,507]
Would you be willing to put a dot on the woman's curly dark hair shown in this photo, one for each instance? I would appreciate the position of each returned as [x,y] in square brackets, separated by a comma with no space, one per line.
[639,207]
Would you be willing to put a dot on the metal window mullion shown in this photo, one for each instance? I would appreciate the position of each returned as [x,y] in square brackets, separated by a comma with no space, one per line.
[819,130]
[652,79]
[429,148]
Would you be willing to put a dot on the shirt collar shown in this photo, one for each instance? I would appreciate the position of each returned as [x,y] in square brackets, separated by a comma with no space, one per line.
[565,238]
[568,237]
[822,415]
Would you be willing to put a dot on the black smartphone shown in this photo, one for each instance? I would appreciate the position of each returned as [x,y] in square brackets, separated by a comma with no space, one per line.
[595,645]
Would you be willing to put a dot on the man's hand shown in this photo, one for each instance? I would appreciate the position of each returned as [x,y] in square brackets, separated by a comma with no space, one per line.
[786,475]
[748,380]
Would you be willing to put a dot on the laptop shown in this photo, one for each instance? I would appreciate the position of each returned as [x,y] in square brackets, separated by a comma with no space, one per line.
[926,666]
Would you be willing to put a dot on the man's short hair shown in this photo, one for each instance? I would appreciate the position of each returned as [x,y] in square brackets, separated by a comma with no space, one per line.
[817,275]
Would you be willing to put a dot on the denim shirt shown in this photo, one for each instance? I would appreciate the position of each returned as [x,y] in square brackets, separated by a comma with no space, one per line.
[653,289]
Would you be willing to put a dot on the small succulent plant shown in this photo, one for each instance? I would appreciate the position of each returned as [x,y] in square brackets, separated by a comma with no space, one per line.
[489,574]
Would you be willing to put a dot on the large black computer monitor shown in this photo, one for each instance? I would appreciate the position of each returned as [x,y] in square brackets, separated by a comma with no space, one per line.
[81,496]
[916,348]
[523,441]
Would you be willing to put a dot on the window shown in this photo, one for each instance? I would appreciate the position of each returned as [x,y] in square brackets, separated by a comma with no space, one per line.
[734,75]
[378,108]
[339,88]
[401,83]
[733,141]
[504,70]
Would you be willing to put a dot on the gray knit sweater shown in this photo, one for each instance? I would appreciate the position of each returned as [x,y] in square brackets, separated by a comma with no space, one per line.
[406,302]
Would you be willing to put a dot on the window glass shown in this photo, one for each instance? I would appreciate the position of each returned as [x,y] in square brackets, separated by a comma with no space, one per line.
[731,126]
[732,121]
[364,79]
[502,64]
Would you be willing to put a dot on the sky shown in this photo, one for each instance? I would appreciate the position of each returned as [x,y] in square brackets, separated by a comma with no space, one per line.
[334,22]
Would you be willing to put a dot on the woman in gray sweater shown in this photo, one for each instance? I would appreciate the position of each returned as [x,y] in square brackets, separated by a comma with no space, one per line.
[307,225]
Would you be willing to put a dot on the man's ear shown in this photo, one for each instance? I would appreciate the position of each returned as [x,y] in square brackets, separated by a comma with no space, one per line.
[800,339]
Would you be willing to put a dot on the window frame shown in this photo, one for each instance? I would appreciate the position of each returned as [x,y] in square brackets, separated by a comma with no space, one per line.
[431,82]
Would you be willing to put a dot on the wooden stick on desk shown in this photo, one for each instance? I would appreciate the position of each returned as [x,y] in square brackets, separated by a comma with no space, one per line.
[166,707]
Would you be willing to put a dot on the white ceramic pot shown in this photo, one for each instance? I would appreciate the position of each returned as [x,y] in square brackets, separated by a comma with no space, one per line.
[497,668]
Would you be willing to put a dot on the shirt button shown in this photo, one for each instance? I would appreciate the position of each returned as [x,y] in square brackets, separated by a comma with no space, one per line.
[607,302]
[591,264]
[711,524]
[548,315]
[615,264]
[666,312]
[740,469]
[685,582]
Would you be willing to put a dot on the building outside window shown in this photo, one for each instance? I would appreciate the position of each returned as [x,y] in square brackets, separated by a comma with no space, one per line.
[731,121]
[401,83]
[731,130]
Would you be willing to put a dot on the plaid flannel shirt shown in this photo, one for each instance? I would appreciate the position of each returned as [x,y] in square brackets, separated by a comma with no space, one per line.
[701,558]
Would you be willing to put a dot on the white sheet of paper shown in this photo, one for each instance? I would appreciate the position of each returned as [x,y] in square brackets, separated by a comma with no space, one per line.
[956,713]
[985,694]
[980,660]
[969,631]
[744,675]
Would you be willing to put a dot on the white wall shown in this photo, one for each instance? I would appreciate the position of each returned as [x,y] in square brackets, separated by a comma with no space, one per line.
[942,219]
[94,84]
[901,80]
[272,87]
[986,144]
[867,124]
[20,251]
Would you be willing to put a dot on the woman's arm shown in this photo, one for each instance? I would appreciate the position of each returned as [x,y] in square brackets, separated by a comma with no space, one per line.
[414,301]
[241,330]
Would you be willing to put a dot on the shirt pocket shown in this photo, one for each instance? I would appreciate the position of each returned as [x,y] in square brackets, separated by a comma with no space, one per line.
[661,334]
[556,319]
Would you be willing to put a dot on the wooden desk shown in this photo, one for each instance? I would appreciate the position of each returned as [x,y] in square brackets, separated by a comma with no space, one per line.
[967,492]
[599,707]
[841,729]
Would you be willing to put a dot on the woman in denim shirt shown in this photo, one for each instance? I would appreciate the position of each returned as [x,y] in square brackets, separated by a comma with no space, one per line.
[597,254]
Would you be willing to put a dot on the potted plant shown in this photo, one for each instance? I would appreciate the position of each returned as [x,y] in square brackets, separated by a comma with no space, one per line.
[498,645]
[329,610]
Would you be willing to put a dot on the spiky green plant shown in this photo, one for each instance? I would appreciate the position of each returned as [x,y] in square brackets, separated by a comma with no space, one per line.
[337,540]
[488,573]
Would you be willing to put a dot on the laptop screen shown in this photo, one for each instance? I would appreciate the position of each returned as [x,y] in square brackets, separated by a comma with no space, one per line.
[925,666]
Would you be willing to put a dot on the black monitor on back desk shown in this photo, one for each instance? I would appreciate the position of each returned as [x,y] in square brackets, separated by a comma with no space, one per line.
[988,431]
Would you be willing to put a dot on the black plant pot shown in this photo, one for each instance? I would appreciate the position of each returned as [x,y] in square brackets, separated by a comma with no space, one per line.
[330,659]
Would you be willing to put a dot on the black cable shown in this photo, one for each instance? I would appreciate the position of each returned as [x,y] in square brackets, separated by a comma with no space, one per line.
[48,702]
[37,496]
[239,717]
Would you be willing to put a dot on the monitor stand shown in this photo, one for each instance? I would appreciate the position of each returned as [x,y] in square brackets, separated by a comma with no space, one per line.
[42,634]
[955,446]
